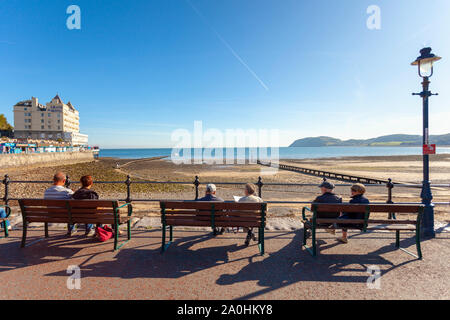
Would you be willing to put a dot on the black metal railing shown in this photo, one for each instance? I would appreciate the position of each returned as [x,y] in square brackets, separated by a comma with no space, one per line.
[197,183]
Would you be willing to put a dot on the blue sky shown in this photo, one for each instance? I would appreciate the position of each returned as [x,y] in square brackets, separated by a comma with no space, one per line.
[138,70]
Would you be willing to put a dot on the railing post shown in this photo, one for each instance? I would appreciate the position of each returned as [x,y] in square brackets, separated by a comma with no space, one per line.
[128,183]
[196,184]
[68,182]
[390,186]
[6,183]
[260,184]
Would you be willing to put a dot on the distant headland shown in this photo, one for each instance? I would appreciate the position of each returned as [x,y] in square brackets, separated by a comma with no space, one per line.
[393,140]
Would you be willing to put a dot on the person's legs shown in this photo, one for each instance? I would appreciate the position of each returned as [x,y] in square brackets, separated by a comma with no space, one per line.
[71,229]
[89,229]
[3,215]
[344,238]
[250,236]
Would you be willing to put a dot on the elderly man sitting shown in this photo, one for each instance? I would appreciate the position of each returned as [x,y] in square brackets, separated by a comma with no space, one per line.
[210,195]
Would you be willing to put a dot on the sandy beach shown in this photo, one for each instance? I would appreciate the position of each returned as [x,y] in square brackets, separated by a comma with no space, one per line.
[399,168]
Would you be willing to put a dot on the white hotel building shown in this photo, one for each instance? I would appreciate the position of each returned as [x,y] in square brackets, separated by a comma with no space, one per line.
[54,121]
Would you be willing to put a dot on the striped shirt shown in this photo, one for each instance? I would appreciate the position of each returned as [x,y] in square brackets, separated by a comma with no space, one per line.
[58,193]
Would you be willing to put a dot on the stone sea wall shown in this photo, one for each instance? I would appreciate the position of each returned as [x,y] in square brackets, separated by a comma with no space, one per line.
[44,159]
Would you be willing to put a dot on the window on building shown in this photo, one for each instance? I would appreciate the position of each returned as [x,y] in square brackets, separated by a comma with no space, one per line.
[42,127]
[42,114]
[42,120]
[49,114]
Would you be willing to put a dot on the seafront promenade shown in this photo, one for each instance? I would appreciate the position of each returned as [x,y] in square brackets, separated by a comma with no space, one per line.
[198,266]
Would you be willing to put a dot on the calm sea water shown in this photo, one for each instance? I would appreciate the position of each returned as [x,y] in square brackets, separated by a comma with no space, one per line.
[285,152]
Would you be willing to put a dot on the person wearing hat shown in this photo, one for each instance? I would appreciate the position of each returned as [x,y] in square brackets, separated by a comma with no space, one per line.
[210,195]
[327,197]
[357,197]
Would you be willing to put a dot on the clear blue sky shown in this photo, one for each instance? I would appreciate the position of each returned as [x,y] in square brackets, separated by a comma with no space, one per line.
[137,70]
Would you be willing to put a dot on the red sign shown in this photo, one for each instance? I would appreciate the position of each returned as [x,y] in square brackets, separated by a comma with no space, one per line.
[429,149]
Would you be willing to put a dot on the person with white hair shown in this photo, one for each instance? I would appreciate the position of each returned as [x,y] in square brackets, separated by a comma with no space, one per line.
[210,195]
[250,196]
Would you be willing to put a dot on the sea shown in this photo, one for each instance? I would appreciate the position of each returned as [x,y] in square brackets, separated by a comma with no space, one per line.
[283,152]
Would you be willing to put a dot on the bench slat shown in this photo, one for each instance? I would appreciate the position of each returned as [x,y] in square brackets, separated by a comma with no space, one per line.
[400,208]
[216,213]
[370,221]
[202,205]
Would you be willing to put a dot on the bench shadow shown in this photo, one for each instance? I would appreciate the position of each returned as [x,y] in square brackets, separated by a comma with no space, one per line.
[292,264]
[180,259]
[40,250]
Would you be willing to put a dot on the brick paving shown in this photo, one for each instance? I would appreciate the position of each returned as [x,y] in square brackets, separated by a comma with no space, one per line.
[197,266]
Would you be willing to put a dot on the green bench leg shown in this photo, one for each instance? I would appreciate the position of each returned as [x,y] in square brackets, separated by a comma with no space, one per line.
[5,227]
[419,250]
[311,249]
[164,245]
[261,240]
[116,235]
[46,229]
[129,229]
[305,232]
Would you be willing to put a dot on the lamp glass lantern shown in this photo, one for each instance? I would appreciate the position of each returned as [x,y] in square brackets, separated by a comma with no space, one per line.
[425,62]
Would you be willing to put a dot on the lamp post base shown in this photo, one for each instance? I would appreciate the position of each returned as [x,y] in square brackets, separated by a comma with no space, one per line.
[428,222]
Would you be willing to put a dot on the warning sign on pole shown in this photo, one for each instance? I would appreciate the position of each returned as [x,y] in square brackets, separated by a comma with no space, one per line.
[429,149]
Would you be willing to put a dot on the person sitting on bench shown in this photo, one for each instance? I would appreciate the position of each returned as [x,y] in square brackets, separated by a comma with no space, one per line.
[58,191]
[249,192]
[328,197]
[210,195]
[86,193]
[357,190]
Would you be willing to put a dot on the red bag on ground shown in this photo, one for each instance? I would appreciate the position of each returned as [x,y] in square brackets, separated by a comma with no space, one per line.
[104,233]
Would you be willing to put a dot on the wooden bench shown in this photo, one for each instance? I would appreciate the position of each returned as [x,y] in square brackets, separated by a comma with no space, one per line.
[75,211]
[5,219]
[316,222]
[214,215]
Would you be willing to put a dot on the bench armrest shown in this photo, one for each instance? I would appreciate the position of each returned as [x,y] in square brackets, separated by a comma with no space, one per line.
[7,209]
[303,213]
[130,208]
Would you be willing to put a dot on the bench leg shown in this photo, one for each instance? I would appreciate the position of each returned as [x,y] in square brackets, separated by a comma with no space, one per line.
[261,240]
[46,229]
[5,227]
[116,235]
[129,229]
[24,234]
[397,238]
[305,232]
[419,251]
[163,246]
[170,234]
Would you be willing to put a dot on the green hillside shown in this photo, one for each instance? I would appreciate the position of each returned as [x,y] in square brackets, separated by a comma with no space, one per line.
[389,140]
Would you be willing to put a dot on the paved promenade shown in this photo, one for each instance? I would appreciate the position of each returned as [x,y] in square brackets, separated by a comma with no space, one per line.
[198,266]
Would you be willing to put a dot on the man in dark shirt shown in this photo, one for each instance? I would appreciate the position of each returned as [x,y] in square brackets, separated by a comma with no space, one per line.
[328,197]
[85,193]
[210,195]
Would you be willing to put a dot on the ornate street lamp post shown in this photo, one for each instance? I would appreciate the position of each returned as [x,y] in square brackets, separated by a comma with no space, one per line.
[425,67]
